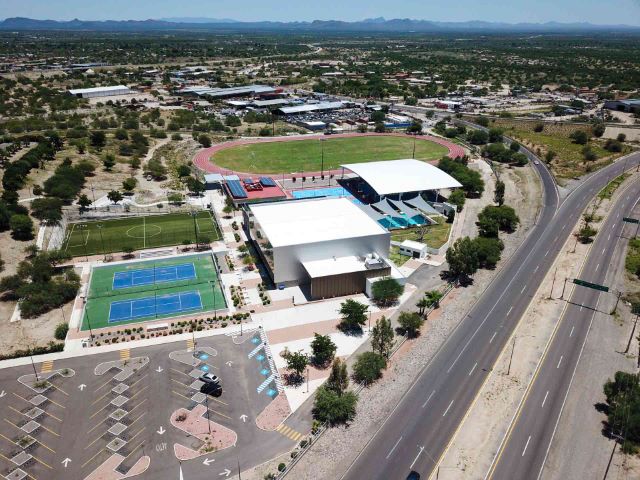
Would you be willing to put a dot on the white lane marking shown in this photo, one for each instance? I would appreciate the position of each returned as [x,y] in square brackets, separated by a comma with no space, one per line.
[526,445]
[521,291]
[597,266]
[493,336]
[545,398]
[536,269]
[608,238]
[580,307]
[554,240]
[473,368]
[429,398]
[394,447]
[511,308]
[571,332]
[447,410]
[560,361]
[416,459]
[546,253]
[603,250]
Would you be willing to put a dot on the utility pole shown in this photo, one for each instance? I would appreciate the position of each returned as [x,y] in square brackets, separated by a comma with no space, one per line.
[563,287]
[104,252]
[322,159]
[413,155]
[208,420]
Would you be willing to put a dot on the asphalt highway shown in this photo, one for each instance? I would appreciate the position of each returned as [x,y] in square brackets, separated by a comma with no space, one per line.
[524,449]
[419,429]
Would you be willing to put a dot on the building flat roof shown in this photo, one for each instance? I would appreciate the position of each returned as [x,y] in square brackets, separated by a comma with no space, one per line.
[334,266]
[402,176]
[314,220]
[230,91]
[112,88]
[313,107]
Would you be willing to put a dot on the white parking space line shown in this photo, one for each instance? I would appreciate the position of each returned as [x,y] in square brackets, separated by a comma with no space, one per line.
[394,447]
[428,398]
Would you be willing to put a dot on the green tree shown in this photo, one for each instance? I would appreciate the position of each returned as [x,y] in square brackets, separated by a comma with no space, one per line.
[477,137]
[503,217]
[232,121]
[98,139]
[195,186]
[338,380]
[323,349]
[598,129]
[382,337]
[498,196]
[296,363]
[368,367]
[579,136]
[129,184]
[114,196]
[386,290]
[410,322]
[47,210]
[334,409]
[353,315]
[488,250]
[109,161]
[83,202]
[204,140]
[586,234]
[623,412]
[458,199]
[61,331]
[462,258]
[433,298]
[21,227]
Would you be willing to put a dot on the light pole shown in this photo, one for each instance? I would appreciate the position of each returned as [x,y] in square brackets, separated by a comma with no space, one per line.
[208,419]
[513,347]
[322,159]
[104,253]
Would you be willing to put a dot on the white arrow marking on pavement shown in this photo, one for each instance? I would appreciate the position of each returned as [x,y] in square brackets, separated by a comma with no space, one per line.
[208,461]
[159,369]
[225,473]
[229,363]
[2,393]
[243,418]
[65,462]
[82,386]
[161,430]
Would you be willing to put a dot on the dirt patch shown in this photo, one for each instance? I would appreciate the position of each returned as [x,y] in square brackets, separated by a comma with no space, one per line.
[274,414]
[213,435]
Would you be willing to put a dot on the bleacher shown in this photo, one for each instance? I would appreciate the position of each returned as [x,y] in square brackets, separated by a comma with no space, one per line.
[267,182]
[236,190]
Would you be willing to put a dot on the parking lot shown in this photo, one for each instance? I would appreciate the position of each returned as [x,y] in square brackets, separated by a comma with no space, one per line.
[137,412]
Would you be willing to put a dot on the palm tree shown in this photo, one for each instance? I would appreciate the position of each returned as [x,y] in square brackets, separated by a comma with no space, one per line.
[433,298]
[422,305]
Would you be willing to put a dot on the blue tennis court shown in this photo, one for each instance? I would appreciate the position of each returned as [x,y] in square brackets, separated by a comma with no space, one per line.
[160,305]
[149,276]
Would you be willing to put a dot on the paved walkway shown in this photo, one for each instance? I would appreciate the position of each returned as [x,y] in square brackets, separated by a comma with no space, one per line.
[202,160]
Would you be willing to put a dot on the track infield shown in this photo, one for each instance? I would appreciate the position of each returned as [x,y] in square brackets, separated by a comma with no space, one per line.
[115,235]
[111,301]
[297,155]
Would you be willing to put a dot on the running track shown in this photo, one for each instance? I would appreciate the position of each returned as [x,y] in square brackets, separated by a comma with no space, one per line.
[203,162]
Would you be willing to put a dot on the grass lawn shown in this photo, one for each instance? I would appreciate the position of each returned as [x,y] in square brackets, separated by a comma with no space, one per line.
[306,155]
[101,294]
[436,236]
[108,236]
[608,191]
[396,257]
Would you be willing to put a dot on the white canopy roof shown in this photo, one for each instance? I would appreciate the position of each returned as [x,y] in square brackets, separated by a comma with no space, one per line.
[400,176]
[314,220]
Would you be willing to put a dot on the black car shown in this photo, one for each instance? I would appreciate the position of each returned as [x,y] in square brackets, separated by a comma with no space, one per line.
[213,389]
[413,475]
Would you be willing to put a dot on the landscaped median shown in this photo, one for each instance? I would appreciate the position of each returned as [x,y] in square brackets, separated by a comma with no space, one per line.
[214,437]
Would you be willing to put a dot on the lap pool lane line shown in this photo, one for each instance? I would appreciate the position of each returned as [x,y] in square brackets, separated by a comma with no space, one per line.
[553,379]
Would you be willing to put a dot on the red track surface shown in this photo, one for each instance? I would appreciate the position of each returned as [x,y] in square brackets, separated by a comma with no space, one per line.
[203,162]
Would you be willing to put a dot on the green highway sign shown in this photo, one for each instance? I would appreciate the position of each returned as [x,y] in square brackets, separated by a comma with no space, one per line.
[595,286]
[630,220]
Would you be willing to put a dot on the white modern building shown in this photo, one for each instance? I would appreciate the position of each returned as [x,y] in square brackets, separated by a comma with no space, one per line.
[100,91]
[413,249]
[329,244]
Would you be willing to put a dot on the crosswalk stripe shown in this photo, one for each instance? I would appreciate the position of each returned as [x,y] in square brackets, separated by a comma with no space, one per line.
[47,366]
[289,432]
[190,344]
[125,354]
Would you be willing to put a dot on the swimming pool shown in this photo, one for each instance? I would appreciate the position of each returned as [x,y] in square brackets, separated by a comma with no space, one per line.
[325,192]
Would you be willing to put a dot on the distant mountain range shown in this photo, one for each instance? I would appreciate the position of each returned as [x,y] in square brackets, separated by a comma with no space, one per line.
[372,25]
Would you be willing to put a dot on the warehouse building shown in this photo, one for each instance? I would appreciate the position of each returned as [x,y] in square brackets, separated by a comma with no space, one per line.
[215,93]
[629,105]
[328,244]
[312,107]
[100,91]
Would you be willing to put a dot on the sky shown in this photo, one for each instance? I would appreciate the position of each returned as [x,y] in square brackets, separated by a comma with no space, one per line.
[512,11]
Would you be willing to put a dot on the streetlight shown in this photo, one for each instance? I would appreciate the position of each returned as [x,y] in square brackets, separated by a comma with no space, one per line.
[100,226]
[208,420]
[513,347]
[322,159]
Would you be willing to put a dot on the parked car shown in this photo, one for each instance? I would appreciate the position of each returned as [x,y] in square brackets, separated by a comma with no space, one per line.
[209,378]
[413,475]
[213,389]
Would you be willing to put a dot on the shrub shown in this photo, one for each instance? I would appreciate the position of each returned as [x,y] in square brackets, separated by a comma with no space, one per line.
[61,331]
[368,367]
[334,409]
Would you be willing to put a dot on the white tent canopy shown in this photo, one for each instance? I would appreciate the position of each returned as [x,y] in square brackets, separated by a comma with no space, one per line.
[401,176]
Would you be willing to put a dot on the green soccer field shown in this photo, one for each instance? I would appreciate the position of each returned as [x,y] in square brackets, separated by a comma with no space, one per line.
[114,235]
[306,155]
[101,293]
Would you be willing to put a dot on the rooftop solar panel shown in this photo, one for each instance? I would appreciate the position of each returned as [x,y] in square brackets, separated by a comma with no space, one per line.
[248,181]
[267,181]
[235,187]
